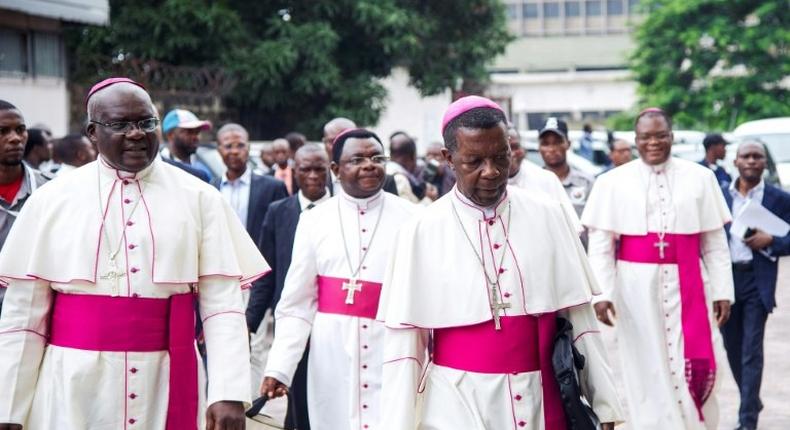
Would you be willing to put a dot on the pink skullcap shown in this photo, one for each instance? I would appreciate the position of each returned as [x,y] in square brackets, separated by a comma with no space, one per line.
[108,82]
[343,133]
[651,109]
[465,104]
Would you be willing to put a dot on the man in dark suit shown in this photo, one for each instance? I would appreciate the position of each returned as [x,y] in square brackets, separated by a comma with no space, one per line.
[249,194]
[754,268]
[715,150]
[311,166]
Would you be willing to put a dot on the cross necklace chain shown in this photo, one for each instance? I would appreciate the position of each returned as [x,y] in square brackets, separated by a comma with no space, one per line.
[662,231]
[352,287]
[497,305]
[114,274]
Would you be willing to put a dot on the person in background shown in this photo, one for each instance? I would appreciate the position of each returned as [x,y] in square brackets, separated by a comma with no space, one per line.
[38,149]
[267,159]
[283,169]
[436,171]
[754,270]
[182,130]
[295,141]
[403,168]
[586,142]
[73,151]
[619,153]
[716,149]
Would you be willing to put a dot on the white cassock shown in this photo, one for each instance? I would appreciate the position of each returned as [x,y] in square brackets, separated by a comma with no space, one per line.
[344,365]
[678,197]
[182,237]
[531,177]
[435,285]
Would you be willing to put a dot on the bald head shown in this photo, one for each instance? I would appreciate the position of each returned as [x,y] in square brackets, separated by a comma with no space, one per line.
[751,145]
[337,125]
[114,94]
[310,149]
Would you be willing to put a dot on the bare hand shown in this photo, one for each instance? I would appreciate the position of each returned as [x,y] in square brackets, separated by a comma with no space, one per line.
[602,311]
[226,415]
[721,308]
[10,426]
[272,388]
[607,426]
[759,240]
[431,192]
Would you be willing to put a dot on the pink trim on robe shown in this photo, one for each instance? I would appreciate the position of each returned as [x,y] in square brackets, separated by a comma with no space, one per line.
[683,251]
[524,344]
[332,298]
[124,324]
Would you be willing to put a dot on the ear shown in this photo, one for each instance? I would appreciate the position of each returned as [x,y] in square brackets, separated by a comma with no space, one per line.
[448,157]
[335,168]
[90,131]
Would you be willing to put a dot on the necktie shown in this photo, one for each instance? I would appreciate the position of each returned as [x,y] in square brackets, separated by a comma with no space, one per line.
[310,206]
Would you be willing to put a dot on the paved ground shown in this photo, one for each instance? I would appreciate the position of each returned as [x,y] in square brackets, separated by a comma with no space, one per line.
[775,391]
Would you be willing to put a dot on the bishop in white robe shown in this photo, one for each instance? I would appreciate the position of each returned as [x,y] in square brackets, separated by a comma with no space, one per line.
[510,264]
[332,290]
[102,270]
[659,251]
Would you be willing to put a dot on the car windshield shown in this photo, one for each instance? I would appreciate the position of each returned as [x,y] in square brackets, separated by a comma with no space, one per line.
[778,144]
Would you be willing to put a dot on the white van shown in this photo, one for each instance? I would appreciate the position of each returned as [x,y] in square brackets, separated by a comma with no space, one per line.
[775,133]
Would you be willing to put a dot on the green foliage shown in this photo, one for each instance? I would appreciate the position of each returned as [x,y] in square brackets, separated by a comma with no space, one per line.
[326,59]
[714,64]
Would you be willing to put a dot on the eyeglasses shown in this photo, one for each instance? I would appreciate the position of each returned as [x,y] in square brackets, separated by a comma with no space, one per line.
[237,145]
[147,125]
[376,159]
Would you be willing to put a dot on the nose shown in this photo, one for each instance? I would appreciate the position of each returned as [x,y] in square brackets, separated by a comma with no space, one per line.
[135,132]
[490,170]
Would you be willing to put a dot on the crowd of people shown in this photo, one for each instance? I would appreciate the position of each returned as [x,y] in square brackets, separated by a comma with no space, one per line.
[438,293]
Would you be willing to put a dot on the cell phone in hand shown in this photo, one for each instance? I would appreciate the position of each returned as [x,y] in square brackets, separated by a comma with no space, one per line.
[749,233]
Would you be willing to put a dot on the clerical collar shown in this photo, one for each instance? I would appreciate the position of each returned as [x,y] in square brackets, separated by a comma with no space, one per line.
[116,174]
[476,211]
[362,204]
[657,168]
[305,202]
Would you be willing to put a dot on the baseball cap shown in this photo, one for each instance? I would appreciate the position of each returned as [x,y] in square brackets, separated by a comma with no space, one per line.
[554,125]
[182,118]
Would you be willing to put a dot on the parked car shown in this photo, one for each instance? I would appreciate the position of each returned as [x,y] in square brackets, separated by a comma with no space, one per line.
[775,134]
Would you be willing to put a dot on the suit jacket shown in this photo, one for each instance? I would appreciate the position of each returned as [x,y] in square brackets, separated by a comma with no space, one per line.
[294,184]
[722,176]
[778,202]
[277,239]
[264,190]
[189,169]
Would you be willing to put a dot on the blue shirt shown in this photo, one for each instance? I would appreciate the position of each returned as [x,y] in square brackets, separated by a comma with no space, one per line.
[237,194]
[739,251]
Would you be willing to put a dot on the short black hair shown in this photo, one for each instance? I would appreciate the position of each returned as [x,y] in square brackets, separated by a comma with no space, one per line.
[407,148]
[357,133]
[478,118]
[35,137]
[4,105]
[654,112]
[713,139]
[66,148]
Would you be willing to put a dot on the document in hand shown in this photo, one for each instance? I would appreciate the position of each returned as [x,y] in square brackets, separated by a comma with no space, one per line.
[755,216]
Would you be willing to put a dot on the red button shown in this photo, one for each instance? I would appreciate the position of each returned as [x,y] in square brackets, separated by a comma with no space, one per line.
[132,420]
[364,267]
[364,347]
[365,426]
[129,223]
[496,246]
[134,270]
[364,385]
[125,182]
[133,370]
[127,201]
[364,406]
[518,397]
[362,212]
[364,326]
[364,230]
[522,423]
[135,295]
[132,246]
[364,366]
[491,222]
[507,294]
[501,270]
[364,248]
[132,396]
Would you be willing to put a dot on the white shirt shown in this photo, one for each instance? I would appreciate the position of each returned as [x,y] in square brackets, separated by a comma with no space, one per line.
[739,252]
[237,193]
[304,202]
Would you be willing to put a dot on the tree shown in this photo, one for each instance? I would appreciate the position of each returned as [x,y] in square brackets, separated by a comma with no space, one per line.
[296,64]
[714,64]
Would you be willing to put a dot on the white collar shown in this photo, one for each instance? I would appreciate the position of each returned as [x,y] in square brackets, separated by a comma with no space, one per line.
[476,211]
[362,204]
[304,202]
[116,174]
[245,178]
[757,189]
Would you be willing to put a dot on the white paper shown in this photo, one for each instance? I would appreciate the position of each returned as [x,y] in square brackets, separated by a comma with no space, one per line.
[755,216]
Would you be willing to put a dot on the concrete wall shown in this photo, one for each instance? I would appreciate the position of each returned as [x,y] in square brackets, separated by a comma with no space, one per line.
[41,100]
[407,110]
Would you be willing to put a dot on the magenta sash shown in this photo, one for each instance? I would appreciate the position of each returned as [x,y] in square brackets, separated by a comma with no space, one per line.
[524,344]
[126,324]
[332,298]
[684,251]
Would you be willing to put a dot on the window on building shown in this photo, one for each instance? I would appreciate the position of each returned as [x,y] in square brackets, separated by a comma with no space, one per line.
[593,7]
[47,59]
[530,10]
[572,8]
[512,11]
[614,7]
[13,52]
[551,9]
[633,6]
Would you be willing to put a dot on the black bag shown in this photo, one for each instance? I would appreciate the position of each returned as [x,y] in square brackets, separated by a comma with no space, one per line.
[265,422]
[566,360]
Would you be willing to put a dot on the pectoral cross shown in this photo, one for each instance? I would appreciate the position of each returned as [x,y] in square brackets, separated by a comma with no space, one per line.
[351,287]
[497,306]
[661,245]
[113,275]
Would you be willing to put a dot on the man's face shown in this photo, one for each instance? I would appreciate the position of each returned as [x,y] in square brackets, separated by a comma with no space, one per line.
[311,174]
[359,176]
[132,151]
[234,150]
[185,140]
[750,162]
[434,153]
[281,155]
[621,153]
[267,156]
[653,139]
[553,149]
[481,163]
[13,137]
[719,151]
[516,150]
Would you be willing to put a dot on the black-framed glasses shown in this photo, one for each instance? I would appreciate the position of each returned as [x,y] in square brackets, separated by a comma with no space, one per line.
[376,159]
[147,125]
